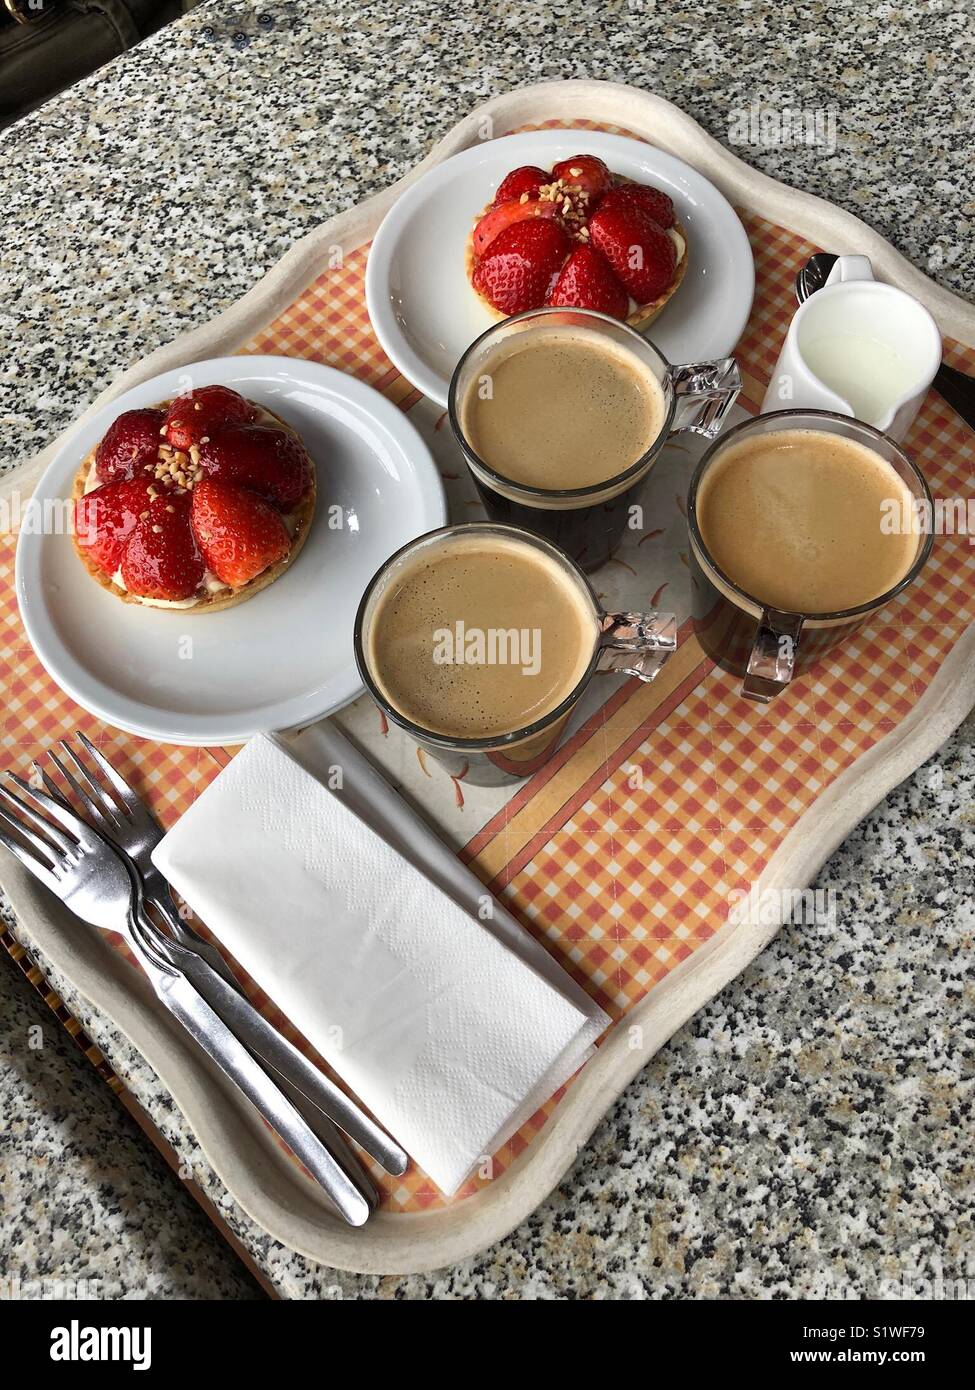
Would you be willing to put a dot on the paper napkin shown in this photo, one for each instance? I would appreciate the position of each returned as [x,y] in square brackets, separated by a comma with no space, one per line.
[446,1035]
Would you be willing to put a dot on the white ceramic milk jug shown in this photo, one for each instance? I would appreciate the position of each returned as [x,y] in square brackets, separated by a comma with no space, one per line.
[860,348]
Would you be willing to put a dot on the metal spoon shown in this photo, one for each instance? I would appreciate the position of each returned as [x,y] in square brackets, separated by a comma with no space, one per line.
[814,274]
[953,386]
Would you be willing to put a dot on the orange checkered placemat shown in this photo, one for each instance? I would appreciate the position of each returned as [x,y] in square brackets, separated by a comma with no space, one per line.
[627,850]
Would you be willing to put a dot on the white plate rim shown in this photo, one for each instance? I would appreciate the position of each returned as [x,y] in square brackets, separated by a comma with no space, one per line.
[383,319]
[122,711]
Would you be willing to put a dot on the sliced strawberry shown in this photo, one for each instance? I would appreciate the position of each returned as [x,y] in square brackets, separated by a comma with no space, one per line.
[521,265]
[495,221]
[161,558]
[130,442]
[587,282]
[237,531]
[268,461]
[586,172]
[105,518]
[200,412]
[650,201]
[528,178]
[642,255]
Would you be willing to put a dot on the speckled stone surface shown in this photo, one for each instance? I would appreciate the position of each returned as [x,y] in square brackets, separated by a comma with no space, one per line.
[810,1132]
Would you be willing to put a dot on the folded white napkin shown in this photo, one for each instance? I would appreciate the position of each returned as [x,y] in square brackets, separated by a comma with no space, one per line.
[448,1037]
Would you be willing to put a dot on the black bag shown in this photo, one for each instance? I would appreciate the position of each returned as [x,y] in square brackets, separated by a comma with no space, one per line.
[46,45]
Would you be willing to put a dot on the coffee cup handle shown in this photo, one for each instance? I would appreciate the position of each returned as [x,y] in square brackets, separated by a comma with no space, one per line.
[772,660]
[636,644]
[704,393]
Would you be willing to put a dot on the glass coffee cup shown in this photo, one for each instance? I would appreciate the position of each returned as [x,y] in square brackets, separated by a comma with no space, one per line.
[768,645]
[588,520]
[479,640]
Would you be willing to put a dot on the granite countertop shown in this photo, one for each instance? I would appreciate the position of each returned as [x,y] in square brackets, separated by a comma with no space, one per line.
[809,1132]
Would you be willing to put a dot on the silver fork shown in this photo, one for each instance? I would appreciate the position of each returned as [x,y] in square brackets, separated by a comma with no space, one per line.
[94,882]
[127,822]
[323,1104]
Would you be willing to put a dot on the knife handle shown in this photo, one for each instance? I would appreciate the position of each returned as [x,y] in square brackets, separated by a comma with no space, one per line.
[317,1120]
[216,1040]
[272,1048]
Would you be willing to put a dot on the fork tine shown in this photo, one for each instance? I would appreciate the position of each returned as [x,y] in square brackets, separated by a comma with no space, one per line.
[130,801]
[50,786]
[93,809]
[108,803]
[24,812]
[38,869]
[56,808]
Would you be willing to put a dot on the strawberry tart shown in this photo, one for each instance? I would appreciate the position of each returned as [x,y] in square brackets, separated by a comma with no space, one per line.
[195,504]
[577,236]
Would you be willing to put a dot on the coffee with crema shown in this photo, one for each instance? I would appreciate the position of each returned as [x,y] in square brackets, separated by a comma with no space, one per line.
[479,637]
[558,408]
[796,518]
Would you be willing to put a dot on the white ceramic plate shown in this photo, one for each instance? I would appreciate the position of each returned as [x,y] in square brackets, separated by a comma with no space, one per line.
[282,659]
[425,313]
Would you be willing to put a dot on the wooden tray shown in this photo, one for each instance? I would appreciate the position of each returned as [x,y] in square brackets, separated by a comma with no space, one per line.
[732,794]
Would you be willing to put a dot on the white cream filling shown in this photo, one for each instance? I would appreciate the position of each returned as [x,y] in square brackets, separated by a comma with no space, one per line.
[211,584]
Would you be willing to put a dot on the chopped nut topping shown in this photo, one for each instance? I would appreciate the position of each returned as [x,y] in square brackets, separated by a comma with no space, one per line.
[175,468]
[157,530]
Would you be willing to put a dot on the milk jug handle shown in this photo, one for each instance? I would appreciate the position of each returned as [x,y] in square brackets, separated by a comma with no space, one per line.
[850,268]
